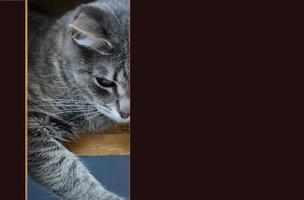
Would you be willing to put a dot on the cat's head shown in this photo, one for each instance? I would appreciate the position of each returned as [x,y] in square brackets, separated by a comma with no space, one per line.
[98,52]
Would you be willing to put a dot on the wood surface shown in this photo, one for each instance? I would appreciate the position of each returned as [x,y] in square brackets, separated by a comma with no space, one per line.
[113,142]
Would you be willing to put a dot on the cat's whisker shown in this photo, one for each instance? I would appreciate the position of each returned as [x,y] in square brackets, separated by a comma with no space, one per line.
[73,111]
[63,102]
[64,105]
[94,115]
[60,101]
[53,115]
[83,115]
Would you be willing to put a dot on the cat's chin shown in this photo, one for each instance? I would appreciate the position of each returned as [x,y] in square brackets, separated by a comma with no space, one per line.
[113,115]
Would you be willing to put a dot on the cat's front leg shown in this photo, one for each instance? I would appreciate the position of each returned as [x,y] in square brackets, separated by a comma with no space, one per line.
[56,168]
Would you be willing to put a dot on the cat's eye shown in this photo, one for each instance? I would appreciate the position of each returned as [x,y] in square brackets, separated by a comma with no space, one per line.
[105,82]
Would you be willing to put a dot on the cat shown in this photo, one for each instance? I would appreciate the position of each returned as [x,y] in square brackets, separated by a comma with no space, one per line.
[78,82]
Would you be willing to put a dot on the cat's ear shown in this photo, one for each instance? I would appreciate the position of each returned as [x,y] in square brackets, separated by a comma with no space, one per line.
[83,36]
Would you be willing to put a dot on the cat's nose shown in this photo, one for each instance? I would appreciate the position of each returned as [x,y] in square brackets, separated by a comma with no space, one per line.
[124,115]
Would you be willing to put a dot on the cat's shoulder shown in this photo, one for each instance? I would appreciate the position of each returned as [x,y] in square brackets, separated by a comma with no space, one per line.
[37,18]
[38,22]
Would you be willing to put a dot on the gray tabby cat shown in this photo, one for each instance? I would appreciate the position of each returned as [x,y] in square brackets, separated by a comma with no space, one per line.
[78,83]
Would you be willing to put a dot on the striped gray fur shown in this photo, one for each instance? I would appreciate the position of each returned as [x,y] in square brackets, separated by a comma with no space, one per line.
[68,58]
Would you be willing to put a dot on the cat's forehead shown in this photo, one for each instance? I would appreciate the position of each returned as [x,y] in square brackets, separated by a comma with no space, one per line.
[111,68]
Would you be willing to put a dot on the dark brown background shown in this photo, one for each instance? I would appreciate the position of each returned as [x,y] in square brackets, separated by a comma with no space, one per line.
[12,100]
[200,126]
